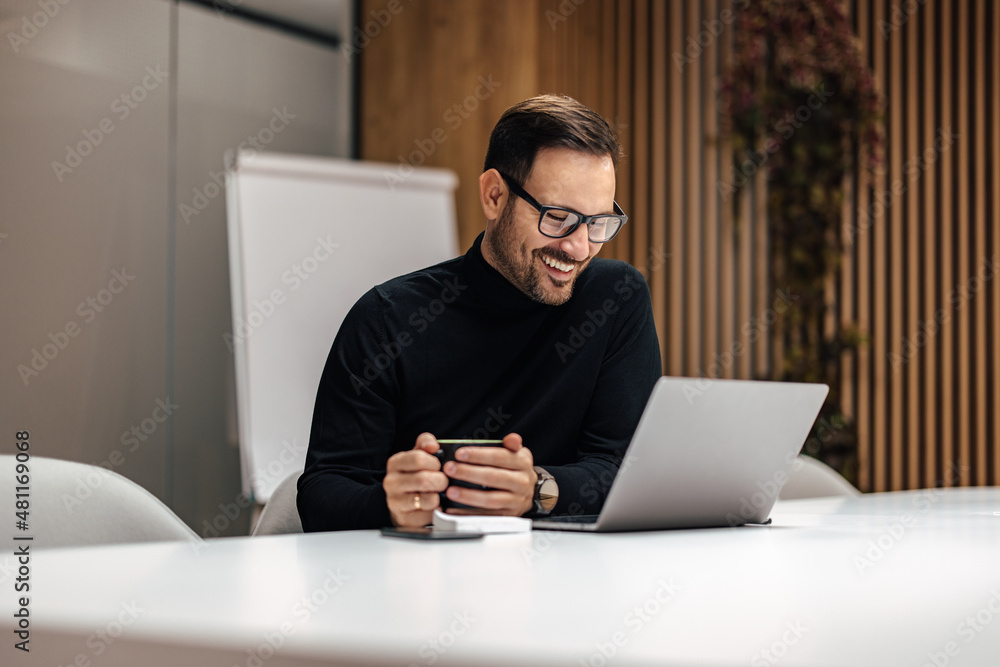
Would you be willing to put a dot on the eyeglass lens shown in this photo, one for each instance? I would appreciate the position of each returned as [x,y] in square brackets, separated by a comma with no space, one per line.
[559,223]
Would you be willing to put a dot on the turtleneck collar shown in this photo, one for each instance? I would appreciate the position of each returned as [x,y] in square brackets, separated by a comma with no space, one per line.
[490,285]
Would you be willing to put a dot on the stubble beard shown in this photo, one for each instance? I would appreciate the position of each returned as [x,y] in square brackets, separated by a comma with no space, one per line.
[518,266]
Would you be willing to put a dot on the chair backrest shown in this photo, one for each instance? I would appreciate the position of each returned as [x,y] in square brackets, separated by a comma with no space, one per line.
[809,478]
[280,515]
[75,504]
[307,238]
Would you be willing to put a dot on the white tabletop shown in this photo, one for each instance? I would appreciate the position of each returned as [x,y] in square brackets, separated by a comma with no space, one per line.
[886,579]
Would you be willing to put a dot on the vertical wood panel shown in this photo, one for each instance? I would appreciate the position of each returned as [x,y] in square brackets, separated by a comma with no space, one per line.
[728,289]
[694,362]
[963,397]
[862,242]
[710,213]
[895,399]
[980,302]
[624,112]
[678,222]
[994,438]
[911,237]
[759,272]
[847,315]
[658,221]
[640,135]
[745,283]
[929,426]
[880,328]
[945,238]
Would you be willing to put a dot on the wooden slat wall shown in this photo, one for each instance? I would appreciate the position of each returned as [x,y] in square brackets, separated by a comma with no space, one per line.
[925,402]
[708,282]
[921,267]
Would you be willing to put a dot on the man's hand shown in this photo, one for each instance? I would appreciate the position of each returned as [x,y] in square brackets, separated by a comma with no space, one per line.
[508,469]
[412,482]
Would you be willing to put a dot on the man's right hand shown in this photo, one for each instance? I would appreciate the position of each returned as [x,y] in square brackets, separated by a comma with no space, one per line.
[412,482]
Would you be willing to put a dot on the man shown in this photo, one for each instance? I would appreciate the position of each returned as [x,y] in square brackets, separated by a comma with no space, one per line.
[525,335]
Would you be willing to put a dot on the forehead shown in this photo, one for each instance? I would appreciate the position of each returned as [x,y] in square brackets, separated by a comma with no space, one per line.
[570,178]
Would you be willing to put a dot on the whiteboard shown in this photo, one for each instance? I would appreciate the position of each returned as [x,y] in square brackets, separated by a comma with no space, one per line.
[307,237]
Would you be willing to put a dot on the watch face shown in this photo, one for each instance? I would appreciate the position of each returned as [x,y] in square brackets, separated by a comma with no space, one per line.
[548,494]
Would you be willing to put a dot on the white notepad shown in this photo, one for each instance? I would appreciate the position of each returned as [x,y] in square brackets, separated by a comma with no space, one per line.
[480,523]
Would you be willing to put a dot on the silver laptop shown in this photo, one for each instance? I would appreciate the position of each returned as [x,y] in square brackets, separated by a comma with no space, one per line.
[706,453]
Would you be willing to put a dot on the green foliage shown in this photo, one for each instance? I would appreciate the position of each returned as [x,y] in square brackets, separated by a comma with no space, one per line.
[800,102]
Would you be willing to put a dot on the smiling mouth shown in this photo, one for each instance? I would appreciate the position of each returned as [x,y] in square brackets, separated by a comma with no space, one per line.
[557,268]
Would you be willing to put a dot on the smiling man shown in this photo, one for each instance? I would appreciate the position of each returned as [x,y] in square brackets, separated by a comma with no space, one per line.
[527,337]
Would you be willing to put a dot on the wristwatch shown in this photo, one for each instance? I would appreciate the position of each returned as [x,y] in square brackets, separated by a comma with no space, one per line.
[546,492]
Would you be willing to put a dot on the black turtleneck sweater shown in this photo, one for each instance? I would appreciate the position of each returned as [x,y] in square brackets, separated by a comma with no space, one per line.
[457,350]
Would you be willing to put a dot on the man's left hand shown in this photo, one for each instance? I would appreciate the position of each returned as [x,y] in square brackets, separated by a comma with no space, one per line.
[508,470]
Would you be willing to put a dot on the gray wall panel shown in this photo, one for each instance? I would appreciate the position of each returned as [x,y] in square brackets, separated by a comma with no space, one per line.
[235,80]
[68,232]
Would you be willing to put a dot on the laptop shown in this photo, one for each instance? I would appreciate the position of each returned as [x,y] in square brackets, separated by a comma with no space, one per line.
[706,453]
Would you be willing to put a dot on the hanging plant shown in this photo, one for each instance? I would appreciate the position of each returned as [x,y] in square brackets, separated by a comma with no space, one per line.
[800,102]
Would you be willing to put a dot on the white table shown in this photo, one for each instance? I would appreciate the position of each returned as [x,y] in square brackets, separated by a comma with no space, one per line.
[882,580]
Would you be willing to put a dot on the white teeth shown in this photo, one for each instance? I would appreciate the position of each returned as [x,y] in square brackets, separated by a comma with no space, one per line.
[557,265]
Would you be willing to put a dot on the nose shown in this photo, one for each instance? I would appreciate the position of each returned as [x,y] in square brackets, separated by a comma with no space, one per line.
[577,244]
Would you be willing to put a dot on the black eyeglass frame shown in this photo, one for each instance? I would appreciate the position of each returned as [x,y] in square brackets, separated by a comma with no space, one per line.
[543,209]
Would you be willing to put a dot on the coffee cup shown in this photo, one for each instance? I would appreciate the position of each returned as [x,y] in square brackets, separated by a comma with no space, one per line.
[447,453]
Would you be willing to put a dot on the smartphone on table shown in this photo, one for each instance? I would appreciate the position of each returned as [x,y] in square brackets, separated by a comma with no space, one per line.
[427,533]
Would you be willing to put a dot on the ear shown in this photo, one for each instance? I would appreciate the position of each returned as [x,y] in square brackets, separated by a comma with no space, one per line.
[492,194]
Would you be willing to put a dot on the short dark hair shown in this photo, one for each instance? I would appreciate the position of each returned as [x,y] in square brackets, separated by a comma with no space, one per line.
[547,121]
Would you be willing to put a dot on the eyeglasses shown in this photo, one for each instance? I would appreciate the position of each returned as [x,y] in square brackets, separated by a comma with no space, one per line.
[557,222]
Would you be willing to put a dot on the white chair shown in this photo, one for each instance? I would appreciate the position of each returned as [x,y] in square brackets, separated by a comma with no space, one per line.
[809,478]
[74,504]
[281,515]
